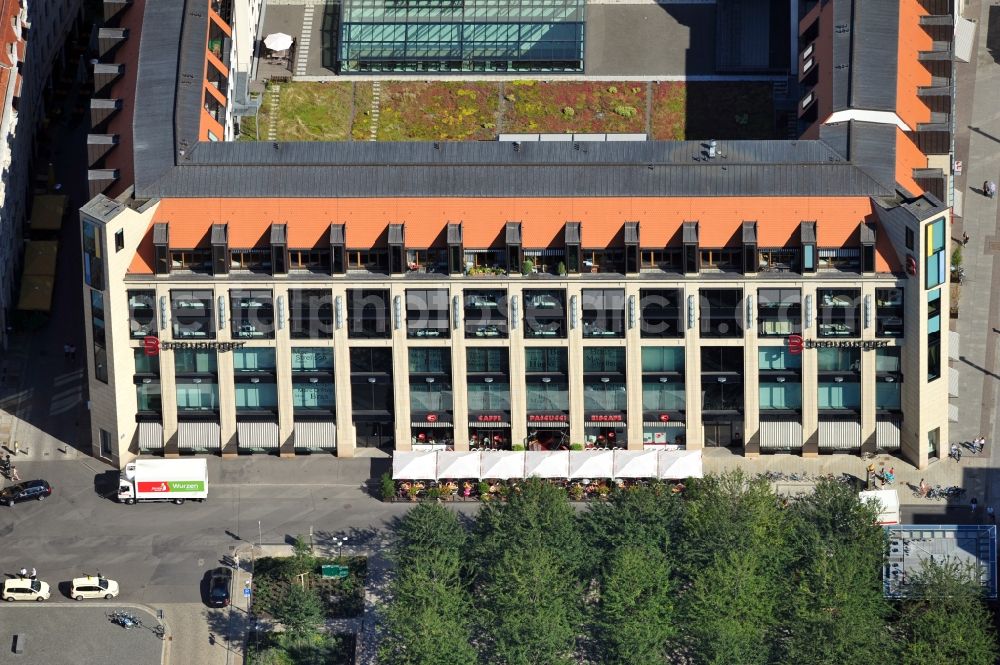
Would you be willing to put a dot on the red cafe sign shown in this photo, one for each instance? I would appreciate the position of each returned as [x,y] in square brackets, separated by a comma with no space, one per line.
[432,417]
[489,418]
[606,418]
[664,417]
[547,418]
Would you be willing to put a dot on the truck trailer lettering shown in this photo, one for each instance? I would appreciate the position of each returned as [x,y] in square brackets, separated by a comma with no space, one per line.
[160,486]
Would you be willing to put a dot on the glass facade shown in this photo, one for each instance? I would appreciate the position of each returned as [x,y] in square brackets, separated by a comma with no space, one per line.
[451,36]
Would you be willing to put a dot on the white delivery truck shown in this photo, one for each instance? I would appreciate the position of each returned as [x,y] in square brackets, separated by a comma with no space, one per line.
[164,480]
[887,502]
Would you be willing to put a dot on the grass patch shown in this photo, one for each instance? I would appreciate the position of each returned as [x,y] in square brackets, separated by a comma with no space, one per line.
[719,110]
[361,128]
[315,111]
[267,648]
[557,107]
[437,111]
[342,599]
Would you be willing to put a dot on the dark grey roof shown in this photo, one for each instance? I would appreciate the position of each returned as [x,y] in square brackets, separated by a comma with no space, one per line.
[155,88]
[170,161]
[863,68]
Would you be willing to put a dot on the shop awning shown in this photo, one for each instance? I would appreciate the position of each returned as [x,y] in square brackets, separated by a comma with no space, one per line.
[454,465]
[592,464]
[315,435]
[501,464]
[198,434]
[257,434]
[552,425]
[680,464]
[36,293]
[40,257]
[150,436]
[47,212]
[635,463]
[475,424]
[617,424]
[546,464]
[427,424]
[410,465]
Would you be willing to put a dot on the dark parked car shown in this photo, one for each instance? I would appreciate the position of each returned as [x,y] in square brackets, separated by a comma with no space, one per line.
[220,579]
[26,491]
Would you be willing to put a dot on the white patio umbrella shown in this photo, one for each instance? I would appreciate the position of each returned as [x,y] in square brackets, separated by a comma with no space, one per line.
[453,465]
[591,463]
[635,463]
[501,464]
[680,464]
[546,464]
[414,465]
[278,41]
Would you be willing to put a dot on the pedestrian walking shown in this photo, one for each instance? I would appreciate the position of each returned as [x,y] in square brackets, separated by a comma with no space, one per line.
[980,443]
[974,504]
[924,488]
[13,475]
[956,452]
[890,477]
[22,573]
[33,575]
[965,239]
[989,189]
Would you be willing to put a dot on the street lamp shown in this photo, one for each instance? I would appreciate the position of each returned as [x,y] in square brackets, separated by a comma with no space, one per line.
[339,543]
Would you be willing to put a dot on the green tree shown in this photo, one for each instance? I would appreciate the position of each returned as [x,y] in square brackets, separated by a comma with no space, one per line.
[835,611]
[429,619]
[539,515]
[300,611]
[427,527]
[530,608]
[729,613]
[946,620]
[637,516]
[635,616]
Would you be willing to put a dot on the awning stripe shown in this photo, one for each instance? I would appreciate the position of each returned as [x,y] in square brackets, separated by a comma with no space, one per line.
[257,435]
[199,434]
[612,425]
[426,424]
[780,434]
[887,432]
[673,424]
[840,434]
[553,425]
[479,425]
[150,436]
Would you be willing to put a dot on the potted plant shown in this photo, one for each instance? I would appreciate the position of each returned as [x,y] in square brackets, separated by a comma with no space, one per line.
[413,490]
[517,446]
[576,492]
[388,487]
[576,446]
[434,494]
[561,269]
[603,491]
[483,490]
[527,267]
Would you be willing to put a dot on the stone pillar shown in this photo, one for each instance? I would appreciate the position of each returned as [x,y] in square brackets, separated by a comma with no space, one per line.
[633,366]
[751,376]
[227,400]
[346,431]
[168,386]
[868,443]
[810,378]
[574,344]
[400,366]
[283,371]
[459,375]
[518,387]
[695,439]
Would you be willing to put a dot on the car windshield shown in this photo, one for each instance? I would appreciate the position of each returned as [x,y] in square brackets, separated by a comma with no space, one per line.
[102,583]
[36,585]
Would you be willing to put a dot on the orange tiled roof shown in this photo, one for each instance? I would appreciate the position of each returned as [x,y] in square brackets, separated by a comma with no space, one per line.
[910,72]
[542,219]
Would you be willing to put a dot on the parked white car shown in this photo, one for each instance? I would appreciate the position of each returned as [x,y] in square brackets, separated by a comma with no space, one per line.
[93,587]
[24,589]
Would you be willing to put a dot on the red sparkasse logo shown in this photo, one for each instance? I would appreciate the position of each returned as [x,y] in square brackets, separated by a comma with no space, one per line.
[151,345]
[157,486]
[432,417]
[664,417]
[795,344]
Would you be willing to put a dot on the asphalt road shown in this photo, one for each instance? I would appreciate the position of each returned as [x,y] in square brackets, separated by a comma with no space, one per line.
[160,552]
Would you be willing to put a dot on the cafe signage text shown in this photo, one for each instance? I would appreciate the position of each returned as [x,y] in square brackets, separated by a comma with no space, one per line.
[606,418]
[547,418]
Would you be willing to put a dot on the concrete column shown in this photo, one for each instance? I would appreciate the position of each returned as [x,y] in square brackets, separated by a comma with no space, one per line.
[400,366]
[574,343]
[751,375]
[518,387]
[283,371]
[695,439]
[810,379]
[868,369]
[168,382]
[227,402]
[633,366]
[459,376]
[346,431]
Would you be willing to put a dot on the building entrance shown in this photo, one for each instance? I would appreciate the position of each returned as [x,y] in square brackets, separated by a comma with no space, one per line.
[721,435]
[375,435]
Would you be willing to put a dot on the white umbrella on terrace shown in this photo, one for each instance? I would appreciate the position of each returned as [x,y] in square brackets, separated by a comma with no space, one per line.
[453,465]
[278,41]
[409,465]
[546,464]
[501,464]
[680,464]
[635,463]
[591,464]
